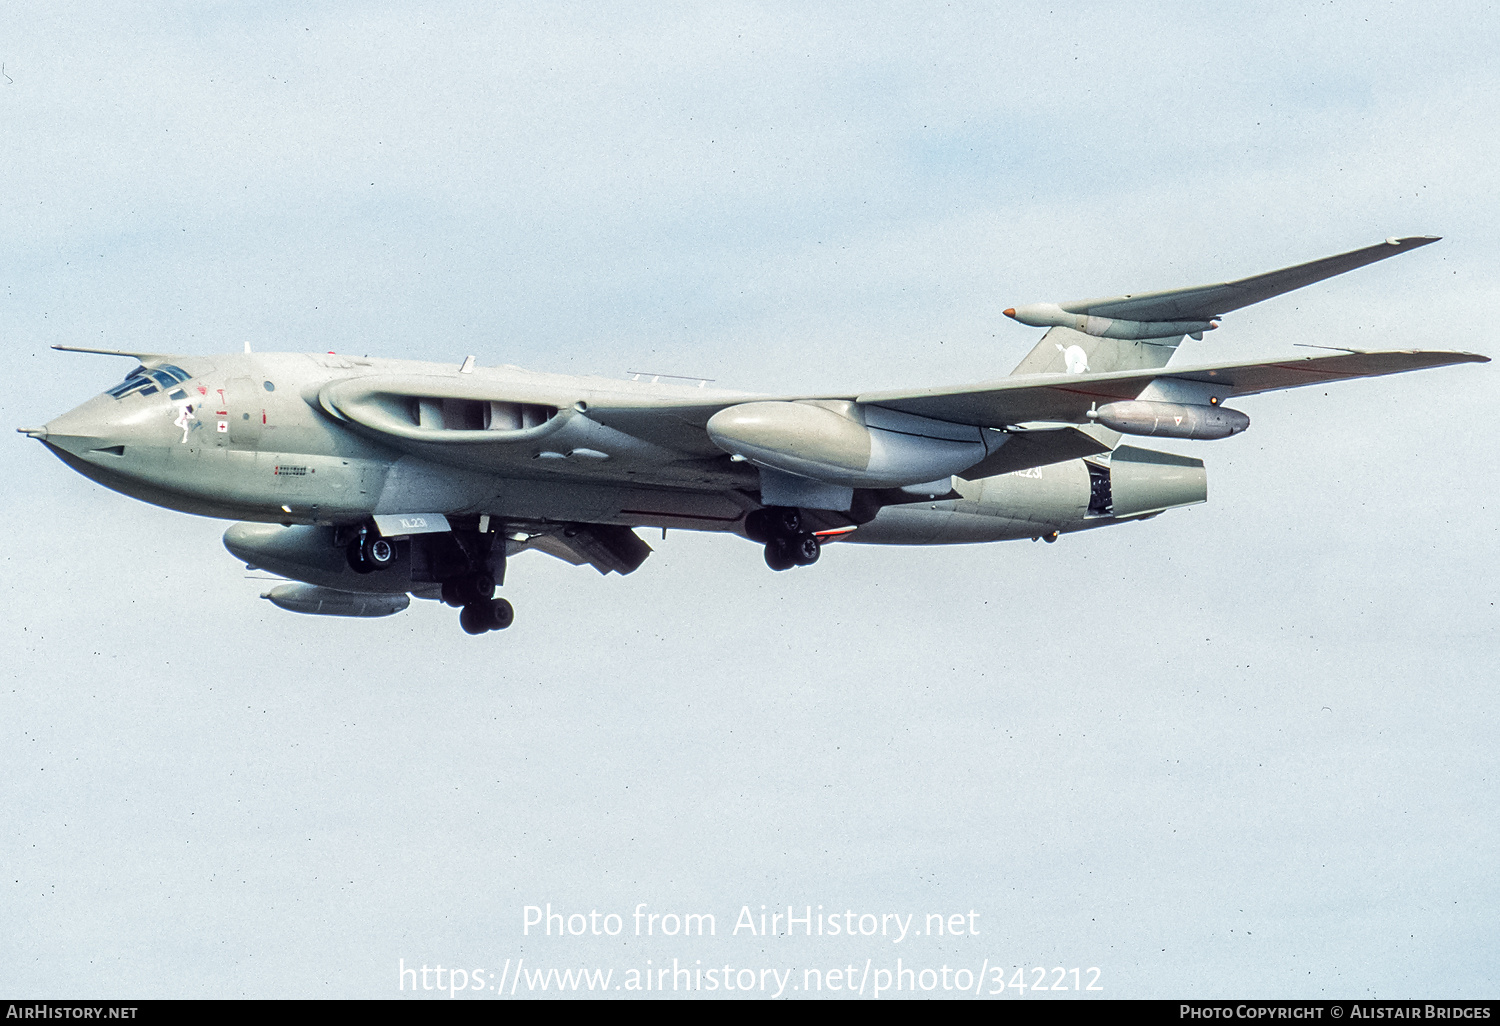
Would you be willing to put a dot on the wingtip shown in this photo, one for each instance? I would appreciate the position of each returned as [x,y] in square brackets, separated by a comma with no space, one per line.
[1451,356]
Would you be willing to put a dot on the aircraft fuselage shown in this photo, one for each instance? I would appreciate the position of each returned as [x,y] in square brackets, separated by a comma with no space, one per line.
[244,438]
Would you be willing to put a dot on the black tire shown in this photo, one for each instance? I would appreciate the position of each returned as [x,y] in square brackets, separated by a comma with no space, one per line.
[378,553]
[779,554]
[785,520]
[474,619]
[806,549]
[757,526]
[479,587]
[502,614]
[357,561]
[452,594]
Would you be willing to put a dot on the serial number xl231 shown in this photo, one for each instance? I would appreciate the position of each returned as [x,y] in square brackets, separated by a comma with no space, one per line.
[367,481]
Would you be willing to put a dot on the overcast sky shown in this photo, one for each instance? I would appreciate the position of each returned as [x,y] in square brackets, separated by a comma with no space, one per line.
[1242,749]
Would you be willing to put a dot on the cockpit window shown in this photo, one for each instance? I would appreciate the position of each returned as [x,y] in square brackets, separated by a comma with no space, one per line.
[146,381]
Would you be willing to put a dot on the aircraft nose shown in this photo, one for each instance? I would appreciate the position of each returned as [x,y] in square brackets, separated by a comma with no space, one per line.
[77,432]
[100,429]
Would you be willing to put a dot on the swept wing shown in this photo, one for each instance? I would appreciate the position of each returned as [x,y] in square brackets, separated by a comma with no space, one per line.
[1069,397]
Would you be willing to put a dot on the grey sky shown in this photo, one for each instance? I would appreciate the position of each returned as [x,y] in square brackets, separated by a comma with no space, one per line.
[1246,748]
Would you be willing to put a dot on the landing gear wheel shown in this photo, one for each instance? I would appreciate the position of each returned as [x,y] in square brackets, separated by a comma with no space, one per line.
[780,554]
[761,525]
[758,526]
[785,520]
[502,614]
[479,588]
[378,553]
[468,591]
[474,619]
[491,615]
[806,549]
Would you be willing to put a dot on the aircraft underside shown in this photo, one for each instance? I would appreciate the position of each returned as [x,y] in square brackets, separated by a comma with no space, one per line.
[367,567]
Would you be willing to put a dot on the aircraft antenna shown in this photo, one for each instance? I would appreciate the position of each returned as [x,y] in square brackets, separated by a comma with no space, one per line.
[1336,349]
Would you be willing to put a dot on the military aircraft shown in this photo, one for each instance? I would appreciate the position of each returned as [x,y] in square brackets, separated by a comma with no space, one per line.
[367,481]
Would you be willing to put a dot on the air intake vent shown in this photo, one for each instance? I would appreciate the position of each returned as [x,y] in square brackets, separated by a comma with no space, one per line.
[477,415]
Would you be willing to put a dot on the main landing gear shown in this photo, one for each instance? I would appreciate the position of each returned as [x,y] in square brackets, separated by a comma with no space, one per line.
[464,560]
[779,529]
[481,610]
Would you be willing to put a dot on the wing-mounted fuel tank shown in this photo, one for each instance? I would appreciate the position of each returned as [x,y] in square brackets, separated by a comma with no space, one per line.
[297,597]
[1175,408]
[1171,420]
[848,444]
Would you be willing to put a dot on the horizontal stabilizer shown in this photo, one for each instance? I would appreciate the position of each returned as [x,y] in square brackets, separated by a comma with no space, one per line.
[1193,310]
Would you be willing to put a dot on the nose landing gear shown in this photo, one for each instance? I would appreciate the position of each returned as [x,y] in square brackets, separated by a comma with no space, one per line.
[779,529]
[368,552]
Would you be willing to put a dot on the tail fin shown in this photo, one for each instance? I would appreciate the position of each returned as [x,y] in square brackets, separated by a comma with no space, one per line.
[1065,351]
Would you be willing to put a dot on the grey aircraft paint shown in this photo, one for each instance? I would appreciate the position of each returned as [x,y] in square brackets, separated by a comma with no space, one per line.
[366,481]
